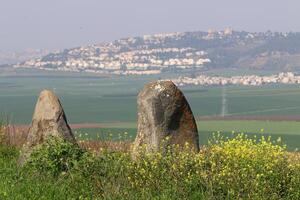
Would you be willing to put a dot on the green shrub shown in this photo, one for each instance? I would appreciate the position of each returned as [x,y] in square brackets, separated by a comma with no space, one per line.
[54,156]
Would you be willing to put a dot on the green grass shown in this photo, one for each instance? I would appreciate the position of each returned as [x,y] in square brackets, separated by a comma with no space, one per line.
[288,131]
[239,168]
[269,127]
[18,184]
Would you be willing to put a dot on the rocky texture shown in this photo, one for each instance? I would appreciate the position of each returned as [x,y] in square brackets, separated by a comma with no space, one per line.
[48,119]
[163,111]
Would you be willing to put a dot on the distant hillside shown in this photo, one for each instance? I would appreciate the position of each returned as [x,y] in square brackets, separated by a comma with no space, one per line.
[151,54]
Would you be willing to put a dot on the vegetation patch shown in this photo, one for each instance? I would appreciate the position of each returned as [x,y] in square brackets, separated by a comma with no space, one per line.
[227,168]
[55,156]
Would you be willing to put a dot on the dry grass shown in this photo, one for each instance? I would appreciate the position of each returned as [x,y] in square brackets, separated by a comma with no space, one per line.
[16,136]
[12,136]
[294,157]
[98,145]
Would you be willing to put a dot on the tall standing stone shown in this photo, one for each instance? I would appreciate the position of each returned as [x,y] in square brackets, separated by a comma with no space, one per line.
[49,119]
[163,111]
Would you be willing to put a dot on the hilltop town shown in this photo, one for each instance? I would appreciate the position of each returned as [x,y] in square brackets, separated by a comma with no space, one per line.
[253,80]
[154,54]
[146,55]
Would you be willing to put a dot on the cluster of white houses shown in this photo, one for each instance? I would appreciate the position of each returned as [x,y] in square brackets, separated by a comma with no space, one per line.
[128,62]
[254,80]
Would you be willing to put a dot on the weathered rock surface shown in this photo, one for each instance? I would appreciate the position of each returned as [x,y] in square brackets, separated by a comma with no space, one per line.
[48,119]
[163,111]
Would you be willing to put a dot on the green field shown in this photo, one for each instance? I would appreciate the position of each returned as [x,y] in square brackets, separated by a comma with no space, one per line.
[288,131]
[112,101]
[95,99]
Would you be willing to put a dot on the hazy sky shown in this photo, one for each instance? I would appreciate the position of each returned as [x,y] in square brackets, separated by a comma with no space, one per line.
[58,24]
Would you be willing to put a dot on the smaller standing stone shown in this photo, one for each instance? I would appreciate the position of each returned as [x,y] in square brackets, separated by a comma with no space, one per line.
[163,111]
[49,119]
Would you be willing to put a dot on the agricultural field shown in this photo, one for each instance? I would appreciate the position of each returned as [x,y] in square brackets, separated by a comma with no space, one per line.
[110,102]
[99,99]
[286,131]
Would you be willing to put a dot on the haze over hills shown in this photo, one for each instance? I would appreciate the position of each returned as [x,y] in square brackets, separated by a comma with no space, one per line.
[7,58]
[153,54]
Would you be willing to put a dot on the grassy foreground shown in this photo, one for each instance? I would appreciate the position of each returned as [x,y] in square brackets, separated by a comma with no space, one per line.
[236,168]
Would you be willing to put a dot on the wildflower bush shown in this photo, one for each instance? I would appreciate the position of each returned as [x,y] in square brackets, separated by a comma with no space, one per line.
[237,168]
[247,168]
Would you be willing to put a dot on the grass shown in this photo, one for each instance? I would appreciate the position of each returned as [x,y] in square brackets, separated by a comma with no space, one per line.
[237,168]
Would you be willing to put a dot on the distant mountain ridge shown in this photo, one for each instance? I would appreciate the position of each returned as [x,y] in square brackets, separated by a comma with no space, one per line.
[152,54]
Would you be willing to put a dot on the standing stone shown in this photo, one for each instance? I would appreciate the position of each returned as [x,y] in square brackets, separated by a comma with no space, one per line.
[163,111]
[48,119]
